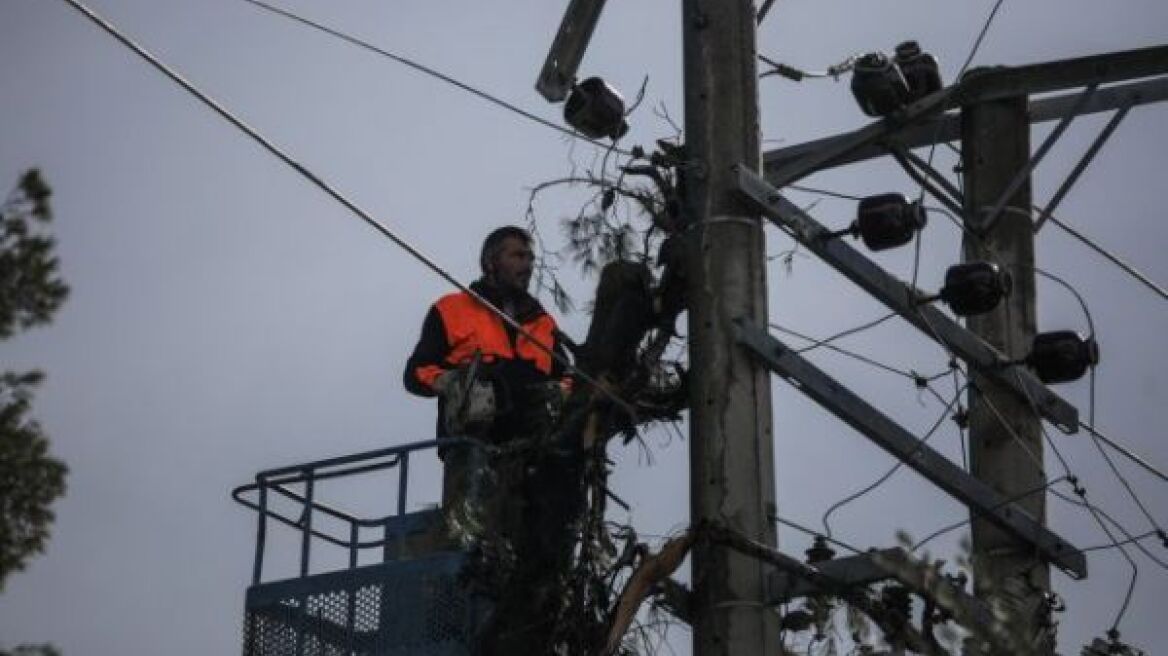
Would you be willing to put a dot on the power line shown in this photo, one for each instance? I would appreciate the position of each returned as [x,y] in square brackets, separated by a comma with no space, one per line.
[850,331]
[1122,550]
[825,192]
[851,354]
[1124,451]
[1091,509]
[1005,502]
[1137,538]
[1120,527]
[817,534]
[1090,323]
[369,220]
[1111,463]
[432,73]
[985,28]
[921,442]
[1114,259]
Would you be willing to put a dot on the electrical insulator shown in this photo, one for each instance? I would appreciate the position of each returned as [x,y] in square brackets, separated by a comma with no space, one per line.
[920,70]
[819,551]
[1062,356]
[888,220]
[878,85]
[974,288]
[596,109]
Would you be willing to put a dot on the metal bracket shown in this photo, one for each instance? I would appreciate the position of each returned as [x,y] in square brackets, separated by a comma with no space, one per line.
[868,568]
[838,147]
[983,224]
[982,500]
[1104,135]
[905,301]
[922,172]
[563,59]
[859,570]
[785,165]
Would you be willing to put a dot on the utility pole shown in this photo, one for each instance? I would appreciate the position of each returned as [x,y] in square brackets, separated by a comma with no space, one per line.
[731,450]
[1004,430]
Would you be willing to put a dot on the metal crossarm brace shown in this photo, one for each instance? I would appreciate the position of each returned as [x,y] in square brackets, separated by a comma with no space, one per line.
[1082,165]
[875,566]
[905,301]
[979,85]
[563,59]
[982,500]
[858,570]
[1022,177]
[838,147]
[793,162]
[991,83]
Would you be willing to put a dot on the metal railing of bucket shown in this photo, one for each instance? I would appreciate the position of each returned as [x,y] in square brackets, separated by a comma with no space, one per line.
[278,481]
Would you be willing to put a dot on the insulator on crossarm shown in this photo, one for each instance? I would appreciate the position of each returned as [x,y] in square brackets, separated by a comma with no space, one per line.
[1062,356]
[878,85]
[596,110]
[921,71]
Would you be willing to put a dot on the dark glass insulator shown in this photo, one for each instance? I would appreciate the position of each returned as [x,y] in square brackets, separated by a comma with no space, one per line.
[974,288]
[888,220]
[921,71]
[819,551]
[596,110]
[1062,356]
[878,85]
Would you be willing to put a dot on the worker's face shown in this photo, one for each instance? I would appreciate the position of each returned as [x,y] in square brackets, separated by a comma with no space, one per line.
[511,268]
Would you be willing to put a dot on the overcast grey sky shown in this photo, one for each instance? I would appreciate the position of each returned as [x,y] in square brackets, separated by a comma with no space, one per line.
[226,317]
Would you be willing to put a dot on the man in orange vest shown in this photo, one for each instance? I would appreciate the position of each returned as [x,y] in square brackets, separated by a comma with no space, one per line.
[508,499]
[460,330]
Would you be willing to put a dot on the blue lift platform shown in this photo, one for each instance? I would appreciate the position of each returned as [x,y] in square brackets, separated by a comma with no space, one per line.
[413,600]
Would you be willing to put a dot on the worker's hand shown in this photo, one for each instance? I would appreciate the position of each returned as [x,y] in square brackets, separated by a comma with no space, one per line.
[444,381]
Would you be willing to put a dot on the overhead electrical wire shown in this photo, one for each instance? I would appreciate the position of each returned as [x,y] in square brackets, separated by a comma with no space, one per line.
[968,520]
[1087,314]
[1093,511]
[1131,271]
[442,76]
[817,534]
[328,189]
[1131,540]
[921,443]
[985,28]
[1081,492]
[911,375]
[422,68]
[435,268]
[1114,259]
[868,325]
[1124,451]
[1118,526]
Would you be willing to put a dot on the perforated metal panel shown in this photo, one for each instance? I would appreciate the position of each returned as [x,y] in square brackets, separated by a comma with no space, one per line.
[415,607]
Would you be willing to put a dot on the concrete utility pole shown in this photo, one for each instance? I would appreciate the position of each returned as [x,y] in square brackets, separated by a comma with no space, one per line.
[996,145]
[731,451]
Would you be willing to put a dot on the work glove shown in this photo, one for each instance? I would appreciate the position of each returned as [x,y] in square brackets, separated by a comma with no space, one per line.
[469,404]
[443,382]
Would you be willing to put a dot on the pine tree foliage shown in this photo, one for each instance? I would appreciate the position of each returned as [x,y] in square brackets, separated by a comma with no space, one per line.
[31,290]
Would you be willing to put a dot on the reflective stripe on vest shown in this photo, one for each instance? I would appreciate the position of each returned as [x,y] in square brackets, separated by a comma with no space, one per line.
[471,327]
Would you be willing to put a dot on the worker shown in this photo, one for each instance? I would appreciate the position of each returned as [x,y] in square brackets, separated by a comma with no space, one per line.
[503,503]
[459,329]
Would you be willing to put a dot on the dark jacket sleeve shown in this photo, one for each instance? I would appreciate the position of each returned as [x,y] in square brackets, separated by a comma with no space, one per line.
[565,348]
[429,356]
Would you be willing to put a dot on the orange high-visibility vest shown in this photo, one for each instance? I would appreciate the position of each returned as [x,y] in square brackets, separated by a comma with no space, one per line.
[472,327]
